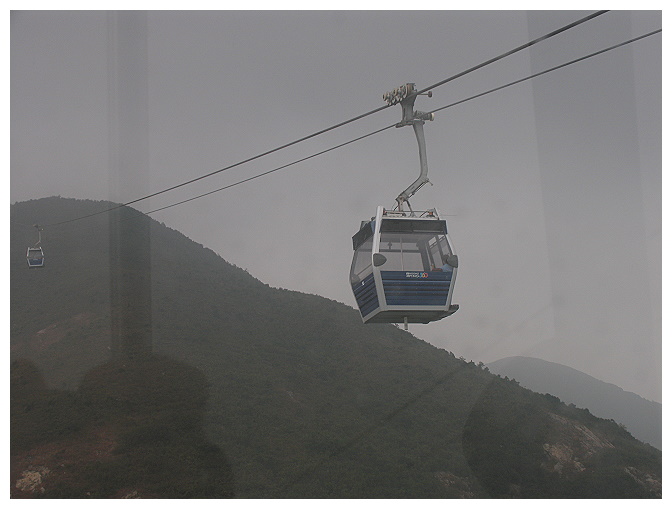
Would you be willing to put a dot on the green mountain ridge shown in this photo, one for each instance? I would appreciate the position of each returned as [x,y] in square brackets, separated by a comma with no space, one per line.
[137,351]
[642,418]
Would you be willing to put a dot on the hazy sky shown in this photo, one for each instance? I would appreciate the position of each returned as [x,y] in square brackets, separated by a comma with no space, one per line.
[552,187]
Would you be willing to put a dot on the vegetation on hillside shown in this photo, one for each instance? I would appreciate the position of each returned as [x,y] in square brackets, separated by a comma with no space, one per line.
[642,418]
[133,428]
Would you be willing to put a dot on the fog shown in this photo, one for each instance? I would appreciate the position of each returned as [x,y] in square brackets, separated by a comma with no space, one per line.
[551,188]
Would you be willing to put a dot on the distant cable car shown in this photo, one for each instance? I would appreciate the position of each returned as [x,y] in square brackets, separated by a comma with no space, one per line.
[35,255]
[404,266]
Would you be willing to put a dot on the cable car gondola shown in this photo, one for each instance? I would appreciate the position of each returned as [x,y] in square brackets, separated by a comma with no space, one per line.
[404,266]
[35,255]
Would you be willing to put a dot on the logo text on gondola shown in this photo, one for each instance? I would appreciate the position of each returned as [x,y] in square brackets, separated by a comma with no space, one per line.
[417,274]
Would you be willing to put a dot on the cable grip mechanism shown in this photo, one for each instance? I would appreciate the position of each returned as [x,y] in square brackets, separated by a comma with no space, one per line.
[406,95]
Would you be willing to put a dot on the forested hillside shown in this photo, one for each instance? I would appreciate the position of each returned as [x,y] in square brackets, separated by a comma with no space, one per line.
[144,365]
[642,418]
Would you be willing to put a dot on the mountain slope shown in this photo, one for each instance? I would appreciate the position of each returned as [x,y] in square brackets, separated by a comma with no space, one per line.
[641,417]
[273,392]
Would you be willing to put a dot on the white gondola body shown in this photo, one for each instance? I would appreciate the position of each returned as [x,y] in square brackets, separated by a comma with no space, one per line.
[35,257]
[400,271]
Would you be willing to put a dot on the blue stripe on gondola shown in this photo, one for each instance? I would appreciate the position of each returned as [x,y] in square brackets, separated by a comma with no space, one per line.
[365,294]
[413,288]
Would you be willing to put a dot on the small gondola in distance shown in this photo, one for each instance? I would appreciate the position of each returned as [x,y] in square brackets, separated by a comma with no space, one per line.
[35,257]
[35,254]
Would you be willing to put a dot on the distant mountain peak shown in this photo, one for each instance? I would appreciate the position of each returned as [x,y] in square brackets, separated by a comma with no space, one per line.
[641,417]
